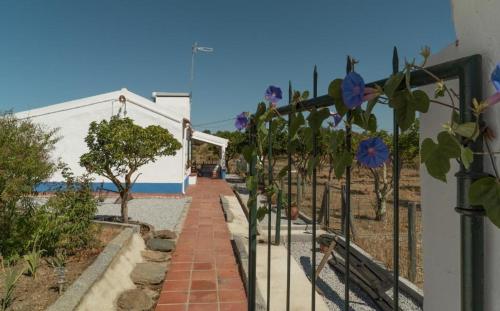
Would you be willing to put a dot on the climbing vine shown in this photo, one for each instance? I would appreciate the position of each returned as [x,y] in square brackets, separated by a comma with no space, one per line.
[354,103]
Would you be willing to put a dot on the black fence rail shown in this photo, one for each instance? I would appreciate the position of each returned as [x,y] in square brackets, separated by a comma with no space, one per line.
[468,72]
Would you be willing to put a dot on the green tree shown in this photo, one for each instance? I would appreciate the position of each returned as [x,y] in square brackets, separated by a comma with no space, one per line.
[119,147]
[235,145]
[24,162]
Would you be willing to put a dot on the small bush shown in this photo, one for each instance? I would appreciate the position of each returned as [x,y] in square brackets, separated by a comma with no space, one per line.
[10,278]
[65,221]
[33,259]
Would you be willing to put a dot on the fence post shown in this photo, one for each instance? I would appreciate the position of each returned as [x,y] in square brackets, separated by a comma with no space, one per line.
[342,210]
[327,206]
[299,190]
[412,242]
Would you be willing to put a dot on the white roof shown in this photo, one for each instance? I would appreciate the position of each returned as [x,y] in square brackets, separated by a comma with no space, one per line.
[211,139]
[131,98]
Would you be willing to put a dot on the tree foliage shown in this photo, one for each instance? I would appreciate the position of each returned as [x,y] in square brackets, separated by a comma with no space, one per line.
[25,161]
[119,147]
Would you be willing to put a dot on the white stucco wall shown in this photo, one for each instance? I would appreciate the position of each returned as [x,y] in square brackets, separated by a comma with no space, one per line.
[478,32]
[73,124]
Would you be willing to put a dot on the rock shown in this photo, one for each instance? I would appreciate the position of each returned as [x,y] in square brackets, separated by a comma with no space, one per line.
[161,245]
[165,234]
[155,256]
[135,299]
[151,293]
[148,273]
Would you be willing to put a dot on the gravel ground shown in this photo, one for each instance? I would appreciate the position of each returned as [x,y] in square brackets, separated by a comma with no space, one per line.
[331,283]
[162,213]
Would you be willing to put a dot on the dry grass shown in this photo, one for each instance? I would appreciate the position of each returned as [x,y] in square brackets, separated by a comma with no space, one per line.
[375,237]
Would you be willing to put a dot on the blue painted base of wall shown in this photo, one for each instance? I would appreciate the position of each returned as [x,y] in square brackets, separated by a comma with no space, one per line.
[138,187]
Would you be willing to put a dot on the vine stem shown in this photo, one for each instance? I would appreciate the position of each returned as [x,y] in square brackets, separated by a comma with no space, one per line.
[492,159]
[447,90]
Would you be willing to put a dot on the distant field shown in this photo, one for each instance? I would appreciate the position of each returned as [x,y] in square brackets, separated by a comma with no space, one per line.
[373,236]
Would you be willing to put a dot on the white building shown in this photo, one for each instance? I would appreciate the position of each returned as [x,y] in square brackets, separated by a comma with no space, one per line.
[170,110]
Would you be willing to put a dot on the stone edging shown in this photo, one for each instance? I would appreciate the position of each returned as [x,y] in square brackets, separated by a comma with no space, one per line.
[242,256]
[77,291]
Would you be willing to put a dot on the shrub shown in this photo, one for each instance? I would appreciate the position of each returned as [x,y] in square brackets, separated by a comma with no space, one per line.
[65,221]
[25,162]
[10,278]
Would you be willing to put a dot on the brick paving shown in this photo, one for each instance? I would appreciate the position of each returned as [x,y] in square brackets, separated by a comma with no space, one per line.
[203,274]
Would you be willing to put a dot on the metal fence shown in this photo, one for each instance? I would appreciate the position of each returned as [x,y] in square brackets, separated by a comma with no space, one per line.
[468,72]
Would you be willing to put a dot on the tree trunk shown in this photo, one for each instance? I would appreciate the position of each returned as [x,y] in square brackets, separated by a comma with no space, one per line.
[124,205]
[381,207]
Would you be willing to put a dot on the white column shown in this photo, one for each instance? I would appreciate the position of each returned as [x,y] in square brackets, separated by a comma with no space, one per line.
[223,157]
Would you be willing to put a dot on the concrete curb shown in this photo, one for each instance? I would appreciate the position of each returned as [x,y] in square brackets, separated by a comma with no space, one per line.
[228,215]
[242,256]
[80,287]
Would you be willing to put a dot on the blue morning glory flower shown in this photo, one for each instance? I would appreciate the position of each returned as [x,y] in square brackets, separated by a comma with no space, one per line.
[353,89]
[336,118]
[495,77]
[241,121]
[372,152]
[273,94]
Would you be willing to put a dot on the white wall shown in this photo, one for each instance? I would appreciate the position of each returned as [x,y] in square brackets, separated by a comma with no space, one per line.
[73,125]
[478,32]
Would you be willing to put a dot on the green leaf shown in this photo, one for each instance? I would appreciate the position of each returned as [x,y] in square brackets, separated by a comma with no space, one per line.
[436,156]
[392,84]
[248,152]
[335,91]
[316,118]
[420,101]
[436,164]
[340,161]
[467,130]
[305,95]
[261,213]
[297,122]
[405,112]
[466,156]
[448,145]
[486,192]
[251,183]
[427,150]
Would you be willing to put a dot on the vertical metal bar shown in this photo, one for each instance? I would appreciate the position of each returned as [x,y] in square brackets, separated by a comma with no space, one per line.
[270,183]
[472,217]
[395,187]
[412,242]
[289,195]
[348,143]
[252,230]
[278,218]
[313,242]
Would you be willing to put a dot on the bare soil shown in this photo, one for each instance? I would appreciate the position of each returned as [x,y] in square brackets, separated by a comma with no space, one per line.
[38,294]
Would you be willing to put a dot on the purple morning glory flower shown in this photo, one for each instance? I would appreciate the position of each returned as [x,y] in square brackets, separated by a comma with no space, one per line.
[372,152]
[241,121]
[273,94]
[336,118]
[353,90]
[495,77]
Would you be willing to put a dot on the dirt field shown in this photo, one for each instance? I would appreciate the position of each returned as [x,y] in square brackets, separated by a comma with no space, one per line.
[37,294]
[372,235]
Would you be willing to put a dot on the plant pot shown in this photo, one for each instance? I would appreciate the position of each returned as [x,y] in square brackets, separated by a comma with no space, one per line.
[294,213]
[274,199]
[323,248]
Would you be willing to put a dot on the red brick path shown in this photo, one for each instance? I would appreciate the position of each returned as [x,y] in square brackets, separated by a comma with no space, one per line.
[203,274]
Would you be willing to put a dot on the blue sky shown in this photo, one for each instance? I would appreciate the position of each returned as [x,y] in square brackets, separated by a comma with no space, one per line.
[53,51]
